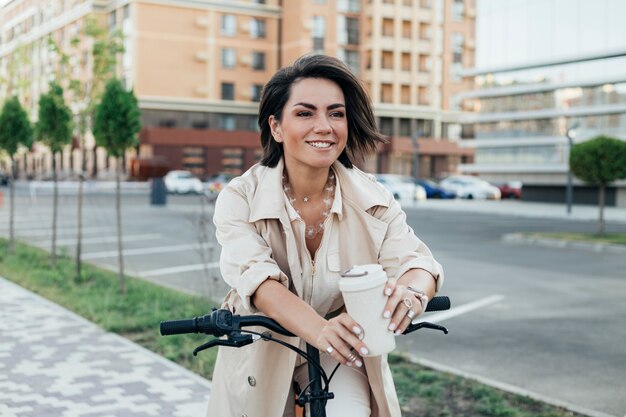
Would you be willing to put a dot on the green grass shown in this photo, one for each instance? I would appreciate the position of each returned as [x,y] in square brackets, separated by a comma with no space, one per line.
[96,297]
[613,238]
[423,392]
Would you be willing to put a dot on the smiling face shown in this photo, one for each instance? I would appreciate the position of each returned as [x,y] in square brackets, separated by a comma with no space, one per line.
[314,127]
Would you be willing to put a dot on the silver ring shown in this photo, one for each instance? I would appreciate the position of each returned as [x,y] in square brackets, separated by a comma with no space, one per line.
[408,303]
[410,314]
[352,357]
[330,349]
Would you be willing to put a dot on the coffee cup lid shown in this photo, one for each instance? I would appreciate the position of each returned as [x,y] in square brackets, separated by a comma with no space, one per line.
[362,277]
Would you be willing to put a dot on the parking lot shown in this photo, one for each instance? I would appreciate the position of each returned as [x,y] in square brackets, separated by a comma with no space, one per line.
[545,321]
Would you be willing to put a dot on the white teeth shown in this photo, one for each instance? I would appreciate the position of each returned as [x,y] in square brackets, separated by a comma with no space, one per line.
[320,144]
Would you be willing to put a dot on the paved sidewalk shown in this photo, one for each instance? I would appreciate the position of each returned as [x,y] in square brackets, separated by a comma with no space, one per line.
[55,363]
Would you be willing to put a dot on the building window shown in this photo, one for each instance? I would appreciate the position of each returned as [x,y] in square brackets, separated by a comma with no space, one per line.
[258,60]
[193,160]
[228,91]
[387,27]
[348,30]
[458,10]
[386,126]
[386,93]
[232,160]
[387,59]
[406,61]
[457,48]
[229,57]
[227,122]
[350,6]
[426,32]
[258,28]
[229,25]
[112,20]
[351,59]
[256,92]
[318,32]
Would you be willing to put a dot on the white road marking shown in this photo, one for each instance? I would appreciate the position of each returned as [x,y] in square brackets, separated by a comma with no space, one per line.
[69,230]
[462,309]
[141,251]
[177,269]
[109,239]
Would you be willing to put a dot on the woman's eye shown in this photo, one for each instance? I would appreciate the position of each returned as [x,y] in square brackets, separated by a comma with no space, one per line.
[304,113]
[338,114]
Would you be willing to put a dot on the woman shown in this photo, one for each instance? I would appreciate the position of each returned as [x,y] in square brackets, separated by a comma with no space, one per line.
[290,224]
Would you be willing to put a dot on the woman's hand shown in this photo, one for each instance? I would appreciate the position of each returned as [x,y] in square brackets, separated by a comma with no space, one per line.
[341,338]
[402,306]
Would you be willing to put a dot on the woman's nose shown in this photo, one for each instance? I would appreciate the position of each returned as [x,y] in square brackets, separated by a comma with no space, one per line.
[322,125]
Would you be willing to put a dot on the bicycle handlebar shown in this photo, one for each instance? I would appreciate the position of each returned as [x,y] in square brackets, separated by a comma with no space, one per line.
[222,322]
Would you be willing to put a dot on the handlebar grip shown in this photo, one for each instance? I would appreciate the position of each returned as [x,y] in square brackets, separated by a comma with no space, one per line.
[179,327]
[438,304]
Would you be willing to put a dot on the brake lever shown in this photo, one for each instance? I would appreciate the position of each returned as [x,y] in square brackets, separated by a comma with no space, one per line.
[234,339]
[426,325]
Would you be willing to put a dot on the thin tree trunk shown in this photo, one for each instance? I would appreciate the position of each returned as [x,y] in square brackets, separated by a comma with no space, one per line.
[79,225]
[601,189]
[119,228]
[55,200]
[11,247]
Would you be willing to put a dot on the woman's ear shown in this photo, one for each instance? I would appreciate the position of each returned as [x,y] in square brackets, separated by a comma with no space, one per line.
[275,129]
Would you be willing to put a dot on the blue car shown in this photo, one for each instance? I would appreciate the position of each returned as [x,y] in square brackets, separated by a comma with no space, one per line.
[433,190]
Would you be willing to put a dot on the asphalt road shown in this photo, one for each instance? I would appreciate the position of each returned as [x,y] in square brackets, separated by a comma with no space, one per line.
[541,319]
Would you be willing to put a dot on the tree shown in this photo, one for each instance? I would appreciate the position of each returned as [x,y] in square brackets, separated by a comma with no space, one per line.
[54,129]
[599,161]
[116,124]
[106,45]
[15,130]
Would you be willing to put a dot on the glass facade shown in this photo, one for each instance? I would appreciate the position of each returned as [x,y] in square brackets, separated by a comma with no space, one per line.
[542,67]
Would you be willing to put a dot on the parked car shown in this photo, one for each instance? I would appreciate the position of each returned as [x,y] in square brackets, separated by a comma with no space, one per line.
[217,182]
[182,182]
[434,190]
[467,186]
[402,187]
[511,189]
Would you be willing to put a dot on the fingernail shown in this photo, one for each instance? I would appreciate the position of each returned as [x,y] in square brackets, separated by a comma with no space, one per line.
[387,291]
[349,364]
[364,351]
[392,326]
[358,363]
[387,314]
[356,330]
[398,332]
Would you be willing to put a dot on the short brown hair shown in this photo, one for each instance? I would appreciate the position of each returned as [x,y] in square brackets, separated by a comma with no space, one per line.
[363,136]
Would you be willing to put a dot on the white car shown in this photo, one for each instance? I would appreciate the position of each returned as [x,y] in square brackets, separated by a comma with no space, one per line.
[402,187]
[469,187]
[182,182]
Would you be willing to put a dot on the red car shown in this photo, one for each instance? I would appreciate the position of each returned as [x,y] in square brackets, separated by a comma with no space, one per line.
[511,189]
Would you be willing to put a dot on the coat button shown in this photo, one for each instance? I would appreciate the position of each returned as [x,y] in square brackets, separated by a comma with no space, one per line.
[251,381]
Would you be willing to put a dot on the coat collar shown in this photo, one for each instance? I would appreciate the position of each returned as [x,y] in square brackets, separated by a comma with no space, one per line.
[355,185]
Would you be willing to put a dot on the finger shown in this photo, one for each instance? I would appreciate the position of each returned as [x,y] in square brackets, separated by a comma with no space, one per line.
[341,350]
[402,308]
[404,323]
[390,286]
[392,302]
[355,334]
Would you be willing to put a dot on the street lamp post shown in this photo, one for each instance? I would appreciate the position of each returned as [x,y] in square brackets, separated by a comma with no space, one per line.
[416,155]
[569,195]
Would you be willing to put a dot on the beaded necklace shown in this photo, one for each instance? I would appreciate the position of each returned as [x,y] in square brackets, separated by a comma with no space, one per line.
[311,231]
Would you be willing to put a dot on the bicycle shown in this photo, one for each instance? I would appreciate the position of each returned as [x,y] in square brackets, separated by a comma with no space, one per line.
[223,322]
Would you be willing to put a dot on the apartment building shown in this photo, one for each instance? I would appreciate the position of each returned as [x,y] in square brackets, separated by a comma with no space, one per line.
[198,67]
[541,70]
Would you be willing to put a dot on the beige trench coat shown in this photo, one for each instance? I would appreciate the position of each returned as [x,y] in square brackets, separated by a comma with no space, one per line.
[258,243]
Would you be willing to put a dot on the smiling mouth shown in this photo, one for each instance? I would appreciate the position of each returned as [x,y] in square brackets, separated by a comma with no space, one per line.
[321,145]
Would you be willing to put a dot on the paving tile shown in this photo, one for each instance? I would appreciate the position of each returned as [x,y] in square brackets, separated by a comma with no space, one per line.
[55,363]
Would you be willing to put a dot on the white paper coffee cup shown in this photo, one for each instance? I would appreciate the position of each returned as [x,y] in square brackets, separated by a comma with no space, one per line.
[363,293]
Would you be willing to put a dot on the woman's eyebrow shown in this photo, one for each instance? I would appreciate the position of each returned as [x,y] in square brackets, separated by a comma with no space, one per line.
[312,107]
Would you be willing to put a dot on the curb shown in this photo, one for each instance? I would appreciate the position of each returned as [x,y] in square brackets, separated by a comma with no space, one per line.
[510,388]
[550,242]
